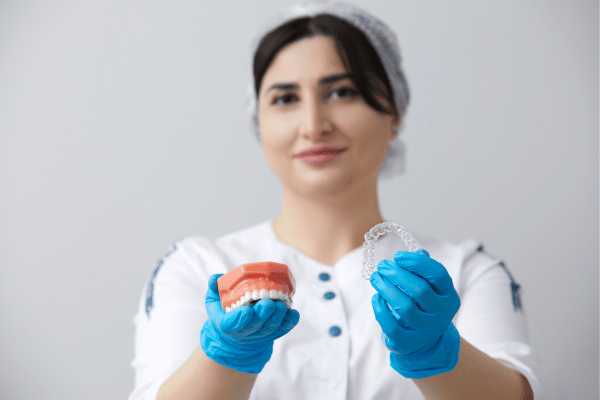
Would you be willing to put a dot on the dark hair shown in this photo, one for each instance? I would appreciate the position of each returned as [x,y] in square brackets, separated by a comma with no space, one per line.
[356,52]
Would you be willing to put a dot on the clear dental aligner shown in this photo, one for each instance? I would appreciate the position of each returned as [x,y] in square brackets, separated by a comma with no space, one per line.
[371,237]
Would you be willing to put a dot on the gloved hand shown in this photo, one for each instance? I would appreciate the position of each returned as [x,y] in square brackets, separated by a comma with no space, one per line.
[418,328]
[242,339]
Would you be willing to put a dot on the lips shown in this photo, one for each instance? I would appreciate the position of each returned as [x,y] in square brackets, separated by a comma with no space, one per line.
[321,150]
[249,283]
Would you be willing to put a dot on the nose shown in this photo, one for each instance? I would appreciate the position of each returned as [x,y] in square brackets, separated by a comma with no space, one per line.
[315,120]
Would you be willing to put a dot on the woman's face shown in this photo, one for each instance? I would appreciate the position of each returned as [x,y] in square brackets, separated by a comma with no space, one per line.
[299,109]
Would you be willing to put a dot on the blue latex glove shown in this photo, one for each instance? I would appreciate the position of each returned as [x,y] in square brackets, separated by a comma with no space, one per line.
[242,339]
[418,328]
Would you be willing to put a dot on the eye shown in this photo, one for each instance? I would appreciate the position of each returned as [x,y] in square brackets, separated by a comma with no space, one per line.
[341,92]
[345,92]
[284,99]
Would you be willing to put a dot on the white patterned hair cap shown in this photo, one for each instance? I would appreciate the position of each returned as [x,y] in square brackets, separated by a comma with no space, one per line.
[383,41]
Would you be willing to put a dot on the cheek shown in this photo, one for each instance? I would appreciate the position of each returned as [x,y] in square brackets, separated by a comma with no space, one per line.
[279,129]
[275,131]
[277,149]
[369,137]
[366,127]
[359,117]
[274,127]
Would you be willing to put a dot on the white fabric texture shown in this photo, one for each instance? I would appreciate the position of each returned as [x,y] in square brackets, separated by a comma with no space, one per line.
[309,363]
[381,37]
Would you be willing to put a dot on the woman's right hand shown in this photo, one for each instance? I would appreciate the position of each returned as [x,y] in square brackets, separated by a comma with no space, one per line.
[242,339]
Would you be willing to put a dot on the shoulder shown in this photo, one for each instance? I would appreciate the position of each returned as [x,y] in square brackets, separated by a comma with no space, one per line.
[191,253]
[189,262]
[463,251]
[458,254]
[206,256]
[465,261]
[184,267]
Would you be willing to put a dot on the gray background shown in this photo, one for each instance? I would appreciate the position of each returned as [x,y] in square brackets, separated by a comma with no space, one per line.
[122,129]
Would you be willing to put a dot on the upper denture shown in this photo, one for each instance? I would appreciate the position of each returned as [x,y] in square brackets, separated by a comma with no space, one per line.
[253,281]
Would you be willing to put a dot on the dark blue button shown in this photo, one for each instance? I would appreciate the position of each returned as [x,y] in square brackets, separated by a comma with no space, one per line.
[324,276]
[329,295]
[335,331]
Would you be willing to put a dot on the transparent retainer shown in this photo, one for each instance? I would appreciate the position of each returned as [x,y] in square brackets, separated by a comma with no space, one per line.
[371,237]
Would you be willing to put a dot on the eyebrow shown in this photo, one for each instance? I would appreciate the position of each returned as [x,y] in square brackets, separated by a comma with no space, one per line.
[323,81]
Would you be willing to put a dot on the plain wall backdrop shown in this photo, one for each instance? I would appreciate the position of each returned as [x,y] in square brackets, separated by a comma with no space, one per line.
[123,129]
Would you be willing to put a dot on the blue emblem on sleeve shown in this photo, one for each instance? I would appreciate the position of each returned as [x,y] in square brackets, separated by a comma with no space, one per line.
[150,287]
[514,286]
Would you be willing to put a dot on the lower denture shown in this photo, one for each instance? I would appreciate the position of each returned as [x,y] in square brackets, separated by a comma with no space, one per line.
[251,285]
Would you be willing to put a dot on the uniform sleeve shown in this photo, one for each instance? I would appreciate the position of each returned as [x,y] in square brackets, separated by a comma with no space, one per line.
[169,319]
[492,318]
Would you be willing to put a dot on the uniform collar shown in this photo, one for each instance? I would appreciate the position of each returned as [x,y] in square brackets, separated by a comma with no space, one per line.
[348,257]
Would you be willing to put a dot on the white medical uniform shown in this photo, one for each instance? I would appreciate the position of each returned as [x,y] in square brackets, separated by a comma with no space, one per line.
[335,352]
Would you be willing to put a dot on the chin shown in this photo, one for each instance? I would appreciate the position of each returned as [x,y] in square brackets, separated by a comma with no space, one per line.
[323,183]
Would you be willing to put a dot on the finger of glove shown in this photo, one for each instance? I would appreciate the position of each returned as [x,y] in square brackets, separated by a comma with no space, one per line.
[403,348]
[440,311]
[423,251]
[445,293]
[212,294]
[212,301]
[273,323]
[415,287]
[291,319]
[226,351]
[427,268]
[235,322]
[410,314]
[263,310]
[404,341]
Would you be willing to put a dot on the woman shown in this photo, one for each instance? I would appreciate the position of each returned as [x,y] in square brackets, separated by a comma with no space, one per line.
[330,99]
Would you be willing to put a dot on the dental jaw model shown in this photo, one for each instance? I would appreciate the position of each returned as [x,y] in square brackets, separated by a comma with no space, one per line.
[371,237]
[249,283]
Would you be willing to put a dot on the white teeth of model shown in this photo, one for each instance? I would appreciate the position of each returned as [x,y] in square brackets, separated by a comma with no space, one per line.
[264,294]
[243,299]
[280,294]
[255,295]
[232,306]
[227,309]
[273,294]
[248,296]
[286,297]
[239,303]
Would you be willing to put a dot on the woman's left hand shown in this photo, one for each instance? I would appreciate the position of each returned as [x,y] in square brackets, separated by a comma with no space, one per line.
[417,326]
